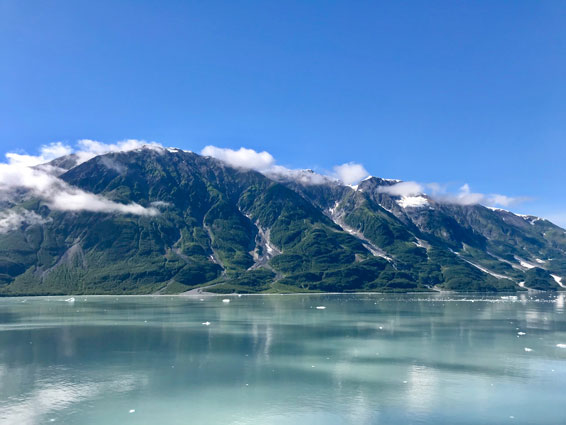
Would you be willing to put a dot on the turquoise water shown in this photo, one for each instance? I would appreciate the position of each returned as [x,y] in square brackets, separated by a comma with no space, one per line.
[365,359]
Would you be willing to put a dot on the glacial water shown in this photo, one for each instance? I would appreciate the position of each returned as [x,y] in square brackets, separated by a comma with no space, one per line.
[364,359]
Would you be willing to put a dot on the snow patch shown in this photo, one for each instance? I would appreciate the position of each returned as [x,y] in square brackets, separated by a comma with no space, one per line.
[558,280]
[376,251]
[524,264]
[538,260]
[422,244]
[483,269]
[332,210]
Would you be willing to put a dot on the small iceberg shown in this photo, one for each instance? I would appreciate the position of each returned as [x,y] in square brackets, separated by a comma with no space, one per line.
[320,307]
[70,300]
[225,300]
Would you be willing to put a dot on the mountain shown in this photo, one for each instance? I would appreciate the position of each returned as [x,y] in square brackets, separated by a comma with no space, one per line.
[234,230]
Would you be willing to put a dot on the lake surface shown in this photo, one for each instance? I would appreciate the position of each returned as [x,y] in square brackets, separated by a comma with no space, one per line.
[364,359]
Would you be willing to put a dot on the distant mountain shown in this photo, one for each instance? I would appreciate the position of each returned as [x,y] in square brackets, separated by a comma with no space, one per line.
[235,230]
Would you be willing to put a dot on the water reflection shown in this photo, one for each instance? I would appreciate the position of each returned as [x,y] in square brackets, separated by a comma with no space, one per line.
[365,359]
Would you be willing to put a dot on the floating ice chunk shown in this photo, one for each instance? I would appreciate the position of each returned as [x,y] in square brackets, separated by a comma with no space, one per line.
[70,300]
[561,345]
[527,349]
[206,323]
[225,300]
[320,307]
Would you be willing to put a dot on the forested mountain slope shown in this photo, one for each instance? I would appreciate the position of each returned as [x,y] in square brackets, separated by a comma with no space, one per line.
[238,230]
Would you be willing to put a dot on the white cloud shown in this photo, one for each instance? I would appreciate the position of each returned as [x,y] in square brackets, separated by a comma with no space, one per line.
[242,158]
[88,149]
[402,189]
[350,172]
[29,172]
[465,196]
[72,199]
[503,200]
[264,162]
[59,195]
[305,177]
[47,153]
[440,193]
[12,219]
[42,181]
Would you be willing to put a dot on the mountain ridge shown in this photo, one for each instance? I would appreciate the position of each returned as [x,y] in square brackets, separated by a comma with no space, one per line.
[208,224]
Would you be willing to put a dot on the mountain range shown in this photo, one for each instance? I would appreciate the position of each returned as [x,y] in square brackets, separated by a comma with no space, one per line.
[182,221]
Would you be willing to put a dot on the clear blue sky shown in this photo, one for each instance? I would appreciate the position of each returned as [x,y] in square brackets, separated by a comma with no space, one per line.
[452,92]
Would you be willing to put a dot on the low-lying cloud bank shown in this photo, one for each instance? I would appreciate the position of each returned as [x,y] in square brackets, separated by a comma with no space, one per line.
[264,162]
[352,173]
[12,219]
[27,173]
[85,149]
[464,195]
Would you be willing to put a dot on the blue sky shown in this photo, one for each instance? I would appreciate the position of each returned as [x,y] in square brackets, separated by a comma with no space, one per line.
[448,92]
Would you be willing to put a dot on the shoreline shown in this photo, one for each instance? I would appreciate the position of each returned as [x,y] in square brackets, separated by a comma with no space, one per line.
[236,295]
